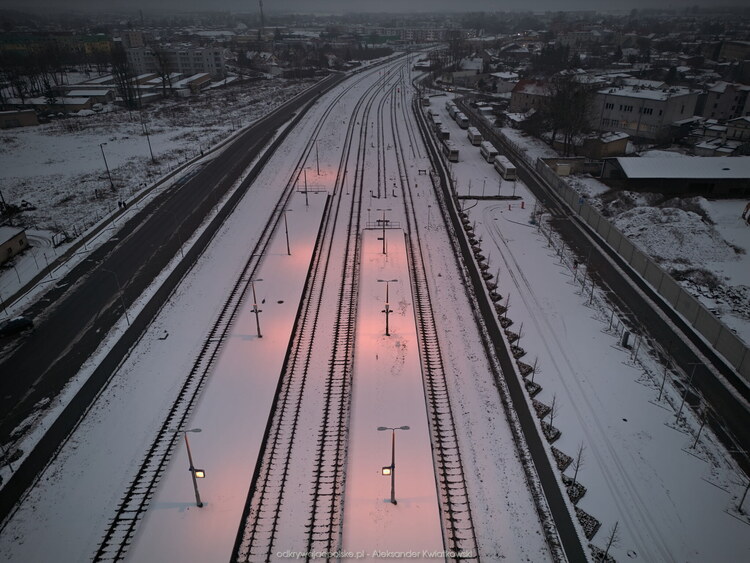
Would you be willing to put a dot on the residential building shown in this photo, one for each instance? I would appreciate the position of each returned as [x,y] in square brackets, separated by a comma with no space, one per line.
[18,118]
[725,100]
[738,129]
[529,94]
[184,59]
[735,51]
[12,241]
[643,113]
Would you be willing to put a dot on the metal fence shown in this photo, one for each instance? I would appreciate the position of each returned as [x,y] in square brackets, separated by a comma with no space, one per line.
[718,335]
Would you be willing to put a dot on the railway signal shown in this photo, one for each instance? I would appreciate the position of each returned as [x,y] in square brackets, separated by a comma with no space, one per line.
[390,470]
[383,222]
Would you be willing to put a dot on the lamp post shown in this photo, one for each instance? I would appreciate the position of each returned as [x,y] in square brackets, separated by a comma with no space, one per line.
[148,139]
[111,184]
[387,309]
[391,469]
[195,473]
[119,289]
[383,221]
[286,230]
[255,307]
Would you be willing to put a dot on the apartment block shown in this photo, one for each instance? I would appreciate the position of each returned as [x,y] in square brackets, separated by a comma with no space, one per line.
[643,113]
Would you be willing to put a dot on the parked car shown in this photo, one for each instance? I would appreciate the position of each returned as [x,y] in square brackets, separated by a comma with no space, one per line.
[14,326]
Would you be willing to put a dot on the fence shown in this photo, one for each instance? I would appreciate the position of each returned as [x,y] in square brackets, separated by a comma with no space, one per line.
[718,335]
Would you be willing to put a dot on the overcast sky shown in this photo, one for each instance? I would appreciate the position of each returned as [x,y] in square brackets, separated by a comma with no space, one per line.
[363,5]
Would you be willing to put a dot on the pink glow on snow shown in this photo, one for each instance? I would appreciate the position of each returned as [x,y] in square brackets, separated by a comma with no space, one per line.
[388,392]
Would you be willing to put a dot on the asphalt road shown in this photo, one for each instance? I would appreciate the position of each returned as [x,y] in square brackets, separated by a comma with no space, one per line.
[648,314]
[75,314]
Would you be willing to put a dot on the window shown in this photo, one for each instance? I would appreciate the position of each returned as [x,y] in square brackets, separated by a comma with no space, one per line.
[682,109]
[609,105]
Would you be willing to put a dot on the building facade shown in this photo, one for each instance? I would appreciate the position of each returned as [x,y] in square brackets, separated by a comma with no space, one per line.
[642,113]
[725,100]
[184,59]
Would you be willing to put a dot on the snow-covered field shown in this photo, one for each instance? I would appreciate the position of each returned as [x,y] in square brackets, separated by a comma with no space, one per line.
[59,167]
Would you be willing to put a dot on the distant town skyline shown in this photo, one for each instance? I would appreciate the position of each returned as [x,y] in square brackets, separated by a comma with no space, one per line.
[371,6]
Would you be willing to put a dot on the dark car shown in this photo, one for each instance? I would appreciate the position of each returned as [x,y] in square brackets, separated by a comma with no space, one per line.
[14,326]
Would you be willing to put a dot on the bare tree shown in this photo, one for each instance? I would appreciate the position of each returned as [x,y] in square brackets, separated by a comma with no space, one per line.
[578,462]
[124,79]
[552,410]
[614,539]
[163,68]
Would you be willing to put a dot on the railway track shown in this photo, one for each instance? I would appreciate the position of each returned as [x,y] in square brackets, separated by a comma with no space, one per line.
[136,498]
[458,529]
[310,459]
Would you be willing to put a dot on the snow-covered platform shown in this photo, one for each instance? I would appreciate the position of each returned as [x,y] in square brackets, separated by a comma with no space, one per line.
[388,392]
[232,413]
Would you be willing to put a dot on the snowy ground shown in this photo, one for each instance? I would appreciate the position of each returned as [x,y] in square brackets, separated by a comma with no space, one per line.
[59,169]
[671,501]
[703,243]
[67,511]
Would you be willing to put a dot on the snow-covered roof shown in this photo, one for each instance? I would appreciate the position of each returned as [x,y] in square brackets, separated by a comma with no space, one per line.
[87,93]
[647,93]
[630,81]
[505,75]
[613,136]
[533,87]
[686,167]
[190,79]
[101,80]
[7,233]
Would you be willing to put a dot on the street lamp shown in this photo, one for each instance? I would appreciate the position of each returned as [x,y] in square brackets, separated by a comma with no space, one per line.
[387,309]
[391,469]
[111,184]
[286,230]
[255,307]
[148,139]
[317,160]
[383,221]
[195,473]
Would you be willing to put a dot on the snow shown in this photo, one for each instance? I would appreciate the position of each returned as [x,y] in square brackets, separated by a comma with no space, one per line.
[672,502]
[690,167]
[387,386]
[232,434]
